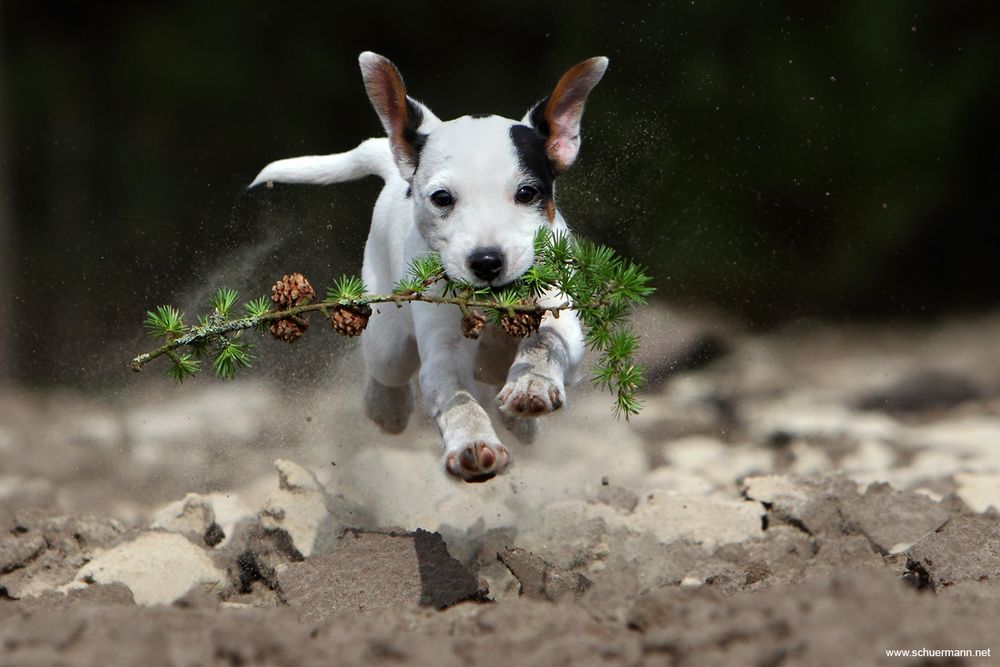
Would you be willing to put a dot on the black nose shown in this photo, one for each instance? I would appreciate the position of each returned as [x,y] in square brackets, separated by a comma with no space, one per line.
[486,264]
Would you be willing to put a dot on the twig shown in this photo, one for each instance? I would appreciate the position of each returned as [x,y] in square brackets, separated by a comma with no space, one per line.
[200,333]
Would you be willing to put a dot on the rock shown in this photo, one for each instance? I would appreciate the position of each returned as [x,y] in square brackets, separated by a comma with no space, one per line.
[617,497]
[40,553]
[18,549]
[301,508]
[688,354]
[680,481]
[540,580]
[377,571]
[925,390]
[593,537]
[756,570]
[823,506]
[807,459]
[207,518]
[844,619]
[802,417]
[892,520]
[572,534]
[710,521]
[194,515]
[722,463]
[979,490]
[869,456]
[781,492]
[972,438]
[158,568]
[966,549]
[93,595]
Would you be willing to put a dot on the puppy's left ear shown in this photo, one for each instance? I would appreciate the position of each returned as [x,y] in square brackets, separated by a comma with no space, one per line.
[557,117]
[405,120]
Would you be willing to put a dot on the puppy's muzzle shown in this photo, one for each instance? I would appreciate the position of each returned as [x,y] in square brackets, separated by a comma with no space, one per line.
[486,264]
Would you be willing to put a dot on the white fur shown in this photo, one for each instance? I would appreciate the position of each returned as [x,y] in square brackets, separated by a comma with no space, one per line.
[475,161]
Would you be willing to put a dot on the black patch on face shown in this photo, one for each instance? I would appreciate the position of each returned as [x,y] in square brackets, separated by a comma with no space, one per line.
[480,115]
[409,192]
[531,155]
[411,133]
[537,118]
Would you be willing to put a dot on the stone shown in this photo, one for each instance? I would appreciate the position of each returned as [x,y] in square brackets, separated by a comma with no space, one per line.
[756,571]
[158,568]
[869,456]
[710,521]
[301,508]
[722,463]
[892,520]
[843,619]
[18,549]
[39,553]
[93,595]
[617,497]
[979,490]
[802,417]
[966,549]
[207,518]
[572,533]
[540,580]
[924,390]
[831,506]
[194,515]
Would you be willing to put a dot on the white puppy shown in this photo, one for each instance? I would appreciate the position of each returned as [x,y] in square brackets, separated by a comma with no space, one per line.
[474,190]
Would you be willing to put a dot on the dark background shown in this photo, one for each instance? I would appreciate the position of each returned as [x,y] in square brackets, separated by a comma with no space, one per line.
[776,159]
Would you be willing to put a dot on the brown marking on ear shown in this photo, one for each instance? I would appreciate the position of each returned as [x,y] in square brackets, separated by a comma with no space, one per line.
[571,83]
[387,93]
[550,209]
[565,108]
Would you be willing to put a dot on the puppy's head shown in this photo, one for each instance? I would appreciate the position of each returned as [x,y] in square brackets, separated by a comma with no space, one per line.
[482,185]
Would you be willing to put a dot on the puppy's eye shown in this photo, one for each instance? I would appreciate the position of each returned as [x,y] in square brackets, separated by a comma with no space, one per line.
[442,198]
[526,194]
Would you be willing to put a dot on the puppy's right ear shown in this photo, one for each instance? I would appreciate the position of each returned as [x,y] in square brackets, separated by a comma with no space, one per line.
[405,120]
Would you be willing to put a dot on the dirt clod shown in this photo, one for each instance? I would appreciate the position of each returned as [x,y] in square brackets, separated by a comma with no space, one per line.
[371,572]
[540,580]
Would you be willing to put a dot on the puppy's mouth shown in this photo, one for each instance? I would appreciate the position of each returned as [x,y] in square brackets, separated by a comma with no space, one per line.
[496,284]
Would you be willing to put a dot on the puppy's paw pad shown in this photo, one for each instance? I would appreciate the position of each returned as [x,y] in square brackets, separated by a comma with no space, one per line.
[530,395]
[477,462]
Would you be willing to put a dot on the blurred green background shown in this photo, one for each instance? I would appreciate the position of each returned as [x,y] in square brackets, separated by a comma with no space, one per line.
[777,159]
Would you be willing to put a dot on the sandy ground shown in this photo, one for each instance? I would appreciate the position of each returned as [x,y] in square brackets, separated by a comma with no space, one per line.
[814,496]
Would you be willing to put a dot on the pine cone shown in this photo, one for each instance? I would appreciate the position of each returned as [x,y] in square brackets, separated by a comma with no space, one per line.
[288,330]
[350,320]
[472,324]
[522,324]
[292,291]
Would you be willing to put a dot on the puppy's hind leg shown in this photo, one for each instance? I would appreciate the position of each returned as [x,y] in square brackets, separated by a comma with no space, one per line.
[391,359]
[389,407]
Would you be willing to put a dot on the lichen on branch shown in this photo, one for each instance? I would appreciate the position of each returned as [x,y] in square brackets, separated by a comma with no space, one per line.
[590,279]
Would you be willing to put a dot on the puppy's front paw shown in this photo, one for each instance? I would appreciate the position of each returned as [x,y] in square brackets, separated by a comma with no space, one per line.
[477,461]
[531,395]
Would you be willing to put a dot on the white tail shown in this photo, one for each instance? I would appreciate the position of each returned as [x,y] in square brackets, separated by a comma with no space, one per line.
[370,158]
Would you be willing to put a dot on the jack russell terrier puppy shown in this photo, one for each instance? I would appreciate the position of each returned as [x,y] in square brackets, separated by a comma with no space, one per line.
[475,190]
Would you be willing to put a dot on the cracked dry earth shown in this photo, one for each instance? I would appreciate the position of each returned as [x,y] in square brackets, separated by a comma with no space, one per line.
[812,496]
